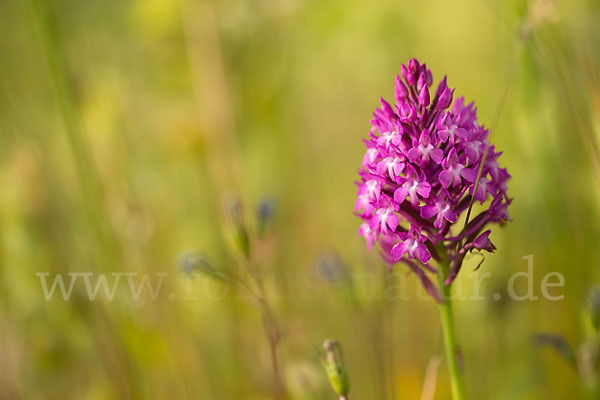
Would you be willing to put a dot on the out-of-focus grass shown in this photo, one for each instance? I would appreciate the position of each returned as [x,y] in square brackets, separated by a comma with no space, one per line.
[124,123]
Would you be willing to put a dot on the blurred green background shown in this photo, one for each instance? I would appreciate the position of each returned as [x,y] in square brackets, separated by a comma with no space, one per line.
[124,125]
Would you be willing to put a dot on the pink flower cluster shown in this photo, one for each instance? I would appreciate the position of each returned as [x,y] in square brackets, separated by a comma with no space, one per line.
[419,172]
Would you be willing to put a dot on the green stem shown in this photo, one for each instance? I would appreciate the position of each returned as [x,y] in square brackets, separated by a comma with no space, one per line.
[456,378]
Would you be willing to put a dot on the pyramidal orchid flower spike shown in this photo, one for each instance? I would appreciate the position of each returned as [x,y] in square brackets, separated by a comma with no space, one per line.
[419,174]
[428,161]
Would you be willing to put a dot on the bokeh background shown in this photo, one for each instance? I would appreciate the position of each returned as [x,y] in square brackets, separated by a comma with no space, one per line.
[128,128]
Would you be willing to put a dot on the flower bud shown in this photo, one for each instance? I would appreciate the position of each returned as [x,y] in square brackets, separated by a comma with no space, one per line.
[401,91]
[385,106]
[331,268]
[594,308]
[404,72]
[413,70]
[440,89]
[421,82]
[424,96]
[198,262]
[236,229]
[442,121]
[334,367]
[264,213]
[556,342]
[588,361]
[407,113]
[428,76]
[413,65]
[445,99]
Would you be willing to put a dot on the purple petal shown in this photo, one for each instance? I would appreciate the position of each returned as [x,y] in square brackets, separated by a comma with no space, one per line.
[443,134]
[452,157]
[400,194]
[450,216]
[439,221]
[469,174]
[461,133]
[429,211]
[424,188]
[483,242]
[414,200]
[366,232]
[437,155]
[392,222]
[398,168]
[399,250]
[424,138]
[376,220]
[423,253]
[445,178]
[413,155]
[482,191]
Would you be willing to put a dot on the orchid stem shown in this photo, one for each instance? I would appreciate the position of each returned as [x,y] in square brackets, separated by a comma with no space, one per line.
[456,378]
